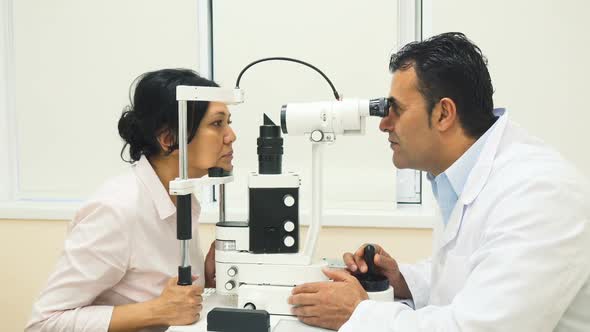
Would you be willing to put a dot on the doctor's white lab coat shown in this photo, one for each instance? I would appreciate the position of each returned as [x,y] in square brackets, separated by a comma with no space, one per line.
[514,256]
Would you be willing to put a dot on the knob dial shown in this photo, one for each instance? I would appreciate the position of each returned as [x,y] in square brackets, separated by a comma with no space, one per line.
[289,241]
[289,200]
[250,306]
[232,271]
[317,135]
[230,285]
[289,226]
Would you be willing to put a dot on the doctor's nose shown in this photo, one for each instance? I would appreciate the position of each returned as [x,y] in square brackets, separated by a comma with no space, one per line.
[387,123]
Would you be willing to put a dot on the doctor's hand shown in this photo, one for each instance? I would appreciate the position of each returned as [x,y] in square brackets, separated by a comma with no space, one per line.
[178,305]
[328,304]
[384,265]
[210,267]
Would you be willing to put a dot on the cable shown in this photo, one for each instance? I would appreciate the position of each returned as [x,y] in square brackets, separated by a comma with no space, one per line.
[291,60]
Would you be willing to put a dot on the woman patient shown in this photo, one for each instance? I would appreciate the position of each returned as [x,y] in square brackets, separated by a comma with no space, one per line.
[117,271]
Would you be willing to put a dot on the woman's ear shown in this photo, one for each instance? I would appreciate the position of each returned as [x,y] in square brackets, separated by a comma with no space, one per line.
[166,140]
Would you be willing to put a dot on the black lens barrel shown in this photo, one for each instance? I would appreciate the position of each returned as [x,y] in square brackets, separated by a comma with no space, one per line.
[270,148]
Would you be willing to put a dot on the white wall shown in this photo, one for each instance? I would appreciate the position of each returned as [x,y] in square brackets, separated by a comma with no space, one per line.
[75,61]
[538,55]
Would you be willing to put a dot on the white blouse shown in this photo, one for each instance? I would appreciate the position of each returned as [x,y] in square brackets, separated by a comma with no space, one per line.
[121,248]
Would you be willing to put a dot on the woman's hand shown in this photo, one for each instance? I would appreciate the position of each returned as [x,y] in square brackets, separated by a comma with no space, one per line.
[179,305]
[210,267]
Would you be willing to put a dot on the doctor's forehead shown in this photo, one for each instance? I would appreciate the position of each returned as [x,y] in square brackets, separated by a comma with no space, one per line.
[404,79]
[404,85]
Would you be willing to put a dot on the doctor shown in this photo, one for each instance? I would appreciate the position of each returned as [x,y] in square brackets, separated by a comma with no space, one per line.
[512,248]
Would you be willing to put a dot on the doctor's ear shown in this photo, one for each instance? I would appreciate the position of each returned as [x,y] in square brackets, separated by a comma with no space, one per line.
[444,114]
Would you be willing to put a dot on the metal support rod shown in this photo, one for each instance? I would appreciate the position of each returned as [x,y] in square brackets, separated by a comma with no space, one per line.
[418,33]
[183,202]
[317,199]
[182,138]
[222,202]
[184,253]
[205,30]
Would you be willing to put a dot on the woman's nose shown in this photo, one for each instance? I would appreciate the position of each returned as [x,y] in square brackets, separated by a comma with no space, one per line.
[230,137]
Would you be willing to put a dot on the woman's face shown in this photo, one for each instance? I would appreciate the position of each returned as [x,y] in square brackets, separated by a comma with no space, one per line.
[212,144]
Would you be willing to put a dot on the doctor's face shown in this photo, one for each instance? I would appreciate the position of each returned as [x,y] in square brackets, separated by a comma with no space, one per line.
[212,144]
[411,138]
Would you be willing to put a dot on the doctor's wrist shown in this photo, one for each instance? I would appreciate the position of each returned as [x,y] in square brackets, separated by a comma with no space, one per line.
[400,286]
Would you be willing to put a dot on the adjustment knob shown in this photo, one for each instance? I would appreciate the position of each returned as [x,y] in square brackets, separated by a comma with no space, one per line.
[289,226]
[232,271]
[317,135]
[230,285]
[289,200]
[289,241]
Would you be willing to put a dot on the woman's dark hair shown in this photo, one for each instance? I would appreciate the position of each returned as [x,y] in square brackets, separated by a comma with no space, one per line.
[450,65]
[154,110]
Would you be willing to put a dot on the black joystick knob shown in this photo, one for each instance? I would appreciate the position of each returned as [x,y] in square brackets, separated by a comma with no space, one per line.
[369,255]
[371,281]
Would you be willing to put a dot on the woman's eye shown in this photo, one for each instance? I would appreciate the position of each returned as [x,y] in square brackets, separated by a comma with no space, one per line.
[217,123]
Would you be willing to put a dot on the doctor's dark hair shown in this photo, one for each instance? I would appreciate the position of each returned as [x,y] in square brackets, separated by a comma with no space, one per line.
[154,111]
[449,65]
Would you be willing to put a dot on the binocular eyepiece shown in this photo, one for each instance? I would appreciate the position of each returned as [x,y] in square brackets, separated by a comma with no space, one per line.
[379,107]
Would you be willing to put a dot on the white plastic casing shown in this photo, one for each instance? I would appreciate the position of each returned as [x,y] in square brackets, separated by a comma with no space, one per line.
[273,299]
[194,185]
[285,180]
[240,236]
[384,296]
[266,274]
[208,93]
[344,117]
